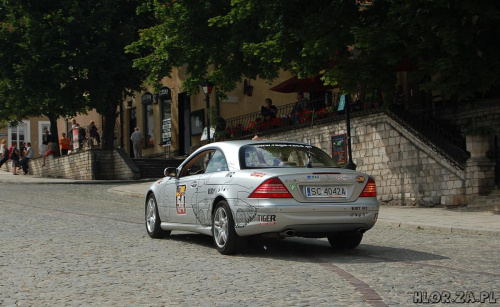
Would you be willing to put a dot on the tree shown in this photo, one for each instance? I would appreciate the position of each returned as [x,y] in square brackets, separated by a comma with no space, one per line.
[225,40]
[449,45]
[60,58]
[36,75]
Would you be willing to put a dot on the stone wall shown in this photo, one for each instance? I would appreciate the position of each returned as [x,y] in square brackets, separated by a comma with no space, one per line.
[407,171]
[481,113]
[94,164]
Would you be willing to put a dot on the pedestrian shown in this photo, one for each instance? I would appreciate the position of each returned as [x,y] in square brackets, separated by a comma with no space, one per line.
[268,111]
[45,141]
[300,106]
[81,135]
[4,153]
[94,135]
[137,142]
[23,149]
[64,144]
[27,156]
[14,157]
[399,97]
[53,149]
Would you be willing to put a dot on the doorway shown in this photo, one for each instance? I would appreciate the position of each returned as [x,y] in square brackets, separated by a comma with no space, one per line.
[184,106]
[132,123]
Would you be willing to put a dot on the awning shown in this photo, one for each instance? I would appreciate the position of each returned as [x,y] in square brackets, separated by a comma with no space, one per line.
[308,85]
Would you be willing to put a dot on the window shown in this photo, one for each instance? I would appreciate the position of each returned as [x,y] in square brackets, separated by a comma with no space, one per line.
[148,116]
[217,163]
[197,164]
[283,155]
[19,133]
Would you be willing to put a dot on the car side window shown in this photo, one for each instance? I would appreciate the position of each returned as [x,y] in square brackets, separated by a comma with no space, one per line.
[217,163]
[198,164]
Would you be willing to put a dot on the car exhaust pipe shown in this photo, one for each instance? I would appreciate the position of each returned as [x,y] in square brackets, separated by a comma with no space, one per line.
[288,233]
[361,230]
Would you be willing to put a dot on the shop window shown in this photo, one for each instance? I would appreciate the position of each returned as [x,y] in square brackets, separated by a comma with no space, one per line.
[165,100]
[148,118]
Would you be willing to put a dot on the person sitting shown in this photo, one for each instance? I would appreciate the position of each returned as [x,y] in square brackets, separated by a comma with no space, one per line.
[269,111]
[53,149]
[300,106]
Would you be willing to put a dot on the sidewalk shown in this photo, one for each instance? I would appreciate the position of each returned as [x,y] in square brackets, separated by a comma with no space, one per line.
[436,219]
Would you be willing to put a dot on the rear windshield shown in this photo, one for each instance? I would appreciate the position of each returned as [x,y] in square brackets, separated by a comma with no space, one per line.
[283,155]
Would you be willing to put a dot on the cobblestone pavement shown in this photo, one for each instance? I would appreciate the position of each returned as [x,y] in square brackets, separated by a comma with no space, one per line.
[77,245]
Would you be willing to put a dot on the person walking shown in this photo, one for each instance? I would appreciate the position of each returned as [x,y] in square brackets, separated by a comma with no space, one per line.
[26,158]
[4,153]
[137,142]
[64,144]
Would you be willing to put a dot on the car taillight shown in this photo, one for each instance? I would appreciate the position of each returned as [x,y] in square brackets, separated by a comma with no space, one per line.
[271,188]
[370,189]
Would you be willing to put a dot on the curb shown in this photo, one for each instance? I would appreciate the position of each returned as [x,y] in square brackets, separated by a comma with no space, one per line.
[458,230]
[50,180]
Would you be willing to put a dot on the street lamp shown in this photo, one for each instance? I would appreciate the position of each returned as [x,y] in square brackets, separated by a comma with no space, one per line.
[350,164]
[207,89]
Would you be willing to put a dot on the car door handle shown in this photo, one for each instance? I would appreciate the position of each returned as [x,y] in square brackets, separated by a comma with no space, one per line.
[194,184]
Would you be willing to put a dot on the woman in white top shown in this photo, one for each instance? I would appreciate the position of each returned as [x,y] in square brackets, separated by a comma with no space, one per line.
[4,153]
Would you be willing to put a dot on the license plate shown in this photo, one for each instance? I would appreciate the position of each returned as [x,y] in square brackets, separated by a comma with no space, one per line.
[327,192]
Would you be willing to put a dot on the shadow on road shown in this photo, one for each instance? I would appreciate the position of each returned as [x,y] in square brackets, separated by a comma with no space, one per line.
[313,250]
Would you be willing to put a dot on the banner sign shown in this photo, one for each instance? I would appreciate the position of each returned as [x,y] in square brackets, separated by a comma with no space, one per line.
[339,149]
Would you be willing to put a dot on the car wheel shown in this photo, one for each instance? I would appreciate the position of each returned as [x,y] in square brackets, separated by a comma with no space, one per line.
[153,219]
[346,240]
[225,238]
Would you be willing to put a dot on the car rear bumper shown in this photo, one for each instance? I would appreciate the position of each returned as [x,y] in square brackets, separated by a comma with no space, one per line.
[310,219]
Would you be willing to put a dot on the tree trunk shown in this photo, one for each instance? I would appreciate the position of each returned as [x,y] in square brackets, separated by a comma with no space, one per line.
[54,131]
[108,132]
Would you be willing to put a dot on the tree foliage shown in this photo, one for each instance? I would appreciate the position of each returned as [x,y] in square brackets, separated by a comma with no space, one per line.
[60,58]
[449,45]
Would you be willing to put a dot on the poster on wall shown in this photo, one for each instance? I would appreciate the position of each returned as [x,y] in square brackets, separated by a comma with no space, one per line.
[339,149]
[76,143]
[166,132]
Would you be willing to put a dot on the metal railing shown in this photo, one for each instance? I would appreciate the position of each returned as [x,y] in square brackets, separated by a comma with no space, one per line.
[449,143]
[445,141]
[288,117]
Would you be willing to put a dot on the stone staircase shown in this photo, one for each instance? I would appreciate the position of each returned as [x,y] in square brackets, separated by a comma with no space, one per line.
[485,203]
[153,168]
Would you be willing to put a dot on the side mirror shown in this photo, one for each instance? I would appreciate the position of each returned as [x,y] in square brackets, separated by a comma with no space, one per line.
[170,172]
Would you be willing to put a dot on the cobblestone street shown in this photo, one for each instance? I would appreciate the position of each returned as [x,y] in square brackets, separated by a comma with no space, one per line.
[77,245]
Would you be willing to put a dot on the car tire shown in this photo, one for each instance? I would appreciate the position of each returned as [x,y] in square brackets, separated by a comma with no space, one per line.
[348,240]
[153,219]
[225,238]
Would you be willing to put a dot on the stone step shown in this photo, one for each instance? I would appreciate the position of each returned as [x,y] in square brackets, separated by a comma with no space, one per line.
[479,208]
[495,192]
[153,168]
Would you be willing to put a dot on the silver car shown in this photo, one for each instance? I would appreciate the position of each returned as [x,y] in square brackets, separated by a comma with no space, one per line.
[230,190]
